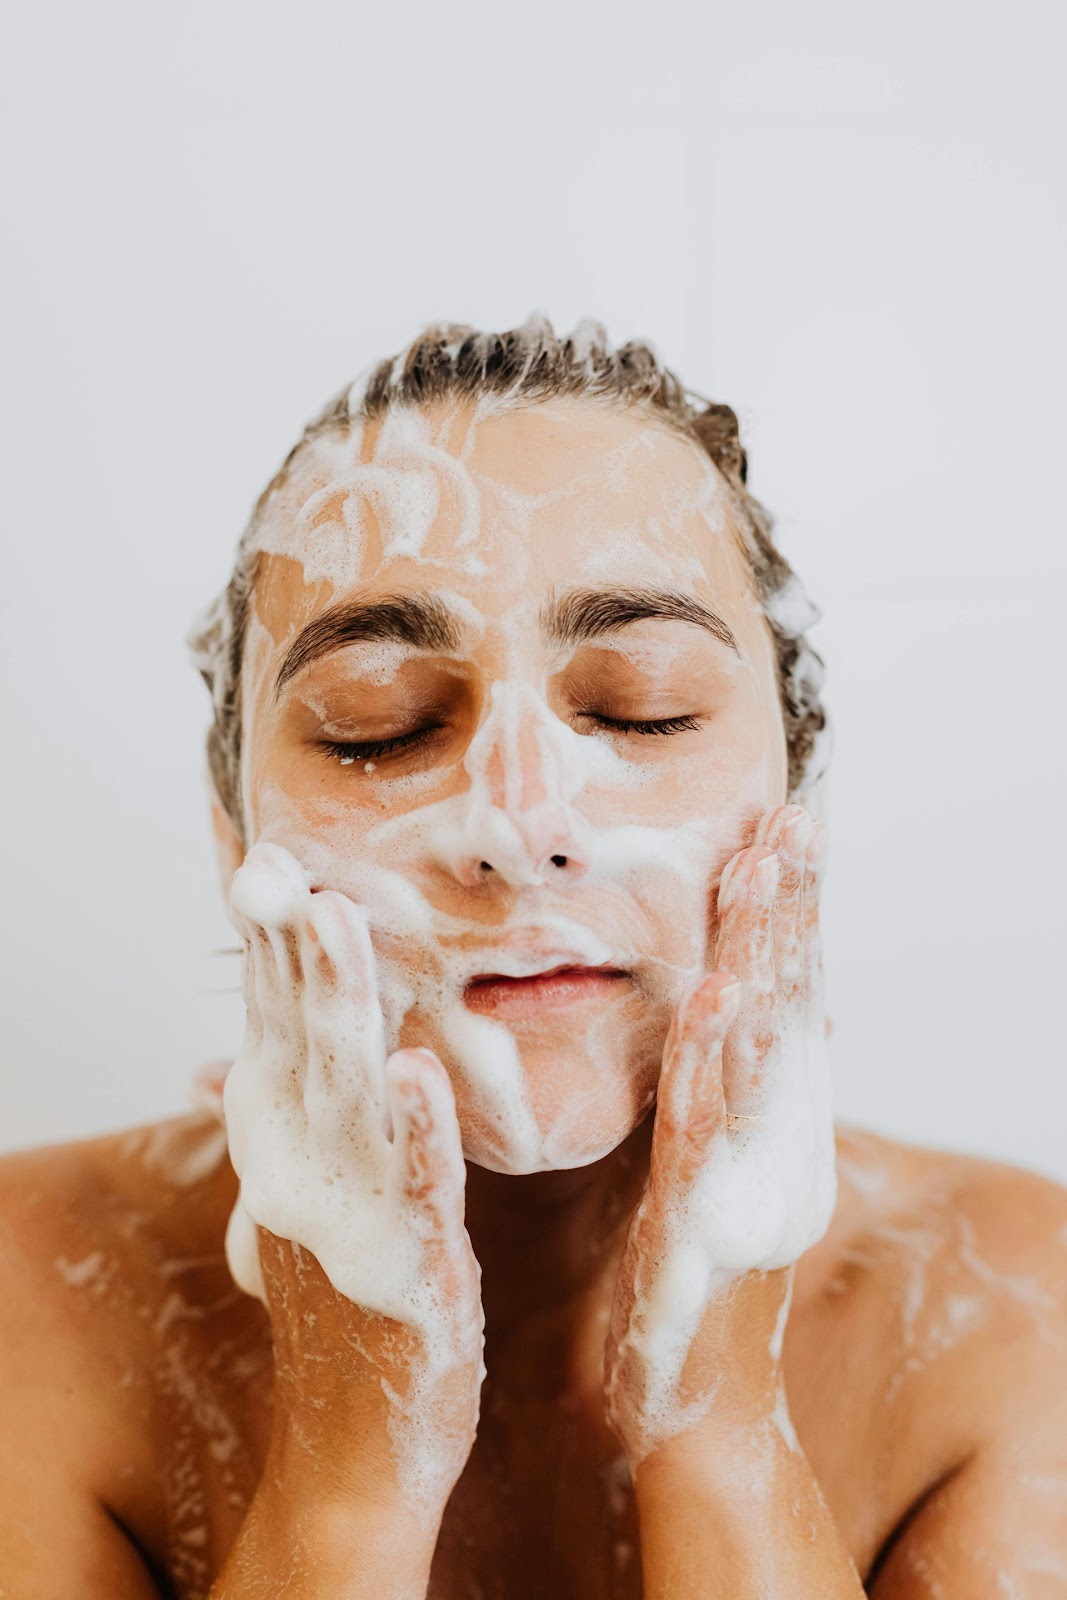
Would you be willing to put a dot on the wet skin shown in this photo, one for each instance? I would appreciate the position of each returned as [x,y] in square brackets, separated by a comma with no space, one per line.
[477,805]
[924,1351]
[924,1361]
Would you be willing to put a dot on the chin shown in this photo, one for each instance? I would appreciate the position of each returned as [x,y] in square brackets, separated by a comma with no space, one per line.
[551,1097]
[574,1129]
[519,1163]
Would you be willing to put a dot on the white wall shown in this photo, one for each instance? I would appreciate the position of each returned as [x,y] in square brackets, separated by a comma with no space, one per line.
[848,222]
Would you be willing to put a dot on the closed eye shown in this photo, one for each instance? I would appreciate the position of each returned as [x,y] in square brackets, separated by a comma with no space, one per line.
[664,725]
[375,749]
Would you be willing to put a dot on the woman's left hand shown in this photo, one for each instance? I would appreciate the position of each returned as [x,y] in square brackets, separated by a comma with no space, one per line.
[742,1177]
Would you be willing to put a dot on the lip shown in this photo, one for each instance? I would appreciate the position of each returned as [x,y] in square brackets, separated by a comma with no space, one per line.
[561,987]
[535,952]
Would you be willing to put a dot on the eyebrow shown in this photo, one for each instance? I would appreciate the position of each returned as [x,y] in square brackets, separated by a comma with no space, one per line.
[425,622]
[582,614]
[421,620]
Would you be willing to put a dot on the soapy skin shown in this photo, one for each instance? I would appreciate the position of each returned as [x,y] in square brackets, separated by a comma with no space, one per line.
[370,1147]
[502,800]
[737,1185]
[531,888]
[742,1170]
[505,901]
[512,797]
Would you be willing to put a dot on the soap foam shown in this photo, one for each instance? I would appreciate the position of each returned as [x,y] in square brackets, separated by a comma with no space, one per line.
[316,1139]
[763,1195]
[313,1149]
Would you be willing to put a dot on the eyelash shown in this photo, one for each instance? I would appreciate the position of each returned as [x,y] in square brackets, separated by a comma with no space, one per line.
[374,750]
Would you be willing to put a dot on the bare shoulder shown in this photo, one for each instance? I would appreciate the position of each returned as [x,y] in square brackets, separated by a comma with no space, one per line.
[124,1345]
[73,1214]
[1002,1226]
[961,1262]
[929,1328]
[89,1234]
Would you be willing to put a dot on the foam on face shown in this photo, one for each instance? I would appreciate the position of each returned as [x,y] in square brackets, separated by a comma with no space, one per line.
[526,772]
[312,1149]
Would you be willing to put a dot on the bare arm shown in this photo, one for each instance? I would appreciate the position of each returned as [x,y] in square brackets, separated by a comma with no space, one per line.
[747,1517]
[997,1524]
[376,1314]
[57,1542]
[375,1383]
[741,1183]
[307,1546]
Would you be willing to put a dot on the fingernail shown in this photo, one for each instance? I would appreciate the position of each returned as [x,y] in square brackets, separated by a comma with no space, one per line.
[726,878]
[766,875]
[728,995]
[720,1018]
[796,835]
[816,851]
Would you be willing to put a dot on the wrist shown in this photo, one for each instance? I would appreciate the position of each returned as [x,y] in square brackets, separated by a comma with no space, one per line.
[309,1537]
[717,1453]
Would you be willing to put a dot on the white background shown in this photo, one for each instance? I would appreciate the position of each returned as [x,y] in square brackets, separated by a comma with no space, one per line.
[847,221]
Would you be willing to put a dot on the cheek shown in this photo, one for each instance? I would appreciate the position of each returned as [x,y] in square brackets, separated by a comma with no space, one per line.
[734,764]
[323,834]
[696,810]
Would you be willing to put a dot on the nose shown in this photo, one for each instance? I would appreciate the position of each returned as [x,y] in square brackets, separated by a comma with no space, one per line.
[520,825]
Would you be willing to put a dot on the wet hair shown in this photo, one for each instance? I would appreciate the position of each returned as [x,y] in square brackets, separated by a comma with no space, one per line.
[450,362]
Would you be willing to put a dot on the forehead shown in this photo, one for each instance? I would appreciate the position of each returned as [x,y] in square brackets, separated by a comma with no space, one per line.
[494,504]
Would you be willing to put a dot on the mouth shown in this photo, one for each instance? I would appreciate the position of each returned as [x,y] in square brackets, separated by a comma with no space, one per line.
[563,987]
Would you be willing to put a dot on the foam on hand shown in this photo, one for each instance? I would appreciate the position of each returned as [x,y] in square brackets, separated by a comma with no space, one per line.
[317,1123]
[583,858]
[763,1193]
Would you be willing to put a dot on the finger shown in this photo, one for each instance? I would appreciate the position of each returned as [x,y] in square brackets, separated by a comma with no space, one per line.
[343,1020]
[253,1018]
[745,947]
[789,922]
[746,899]
[269,1052]
[814,872]
[242,1253]
[428,1169]
[270,887]
[771,825]
[267,896]
[691,1108]
[267,999]
[285,943]
[238,1090]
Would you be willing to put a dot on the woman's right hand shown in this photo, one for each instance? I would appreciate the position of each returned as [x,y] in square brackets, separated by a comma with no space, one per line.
[350,1220]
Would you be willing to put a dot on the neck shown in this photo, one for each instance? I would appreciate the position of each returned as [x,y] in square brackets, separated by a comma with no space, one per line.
[549,1244]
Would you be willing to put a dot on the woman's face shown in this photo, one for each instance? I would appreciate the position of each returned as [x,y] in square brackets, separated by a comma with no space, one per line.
[506,685]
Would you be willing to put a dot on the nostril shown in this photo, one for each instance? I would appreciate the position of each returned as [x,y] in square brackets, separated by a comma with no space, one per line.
[559,861]
[484,866]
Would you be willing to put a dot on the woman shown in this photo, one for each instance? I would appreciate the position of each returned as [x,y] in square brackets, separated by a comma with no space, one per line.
[515,746]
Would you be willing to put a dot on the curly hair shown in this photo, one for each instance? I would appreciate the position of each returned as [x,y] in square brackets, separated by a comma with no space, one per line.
[518,368]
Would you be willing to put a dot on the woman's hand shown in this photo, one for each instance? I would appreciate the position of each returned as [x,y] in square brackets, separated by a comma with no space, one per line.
[742,1169]
[350,1220]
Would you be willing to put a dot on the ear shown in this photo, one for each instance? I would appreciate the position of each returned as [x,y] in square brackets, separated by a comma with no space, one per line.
[230,852]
